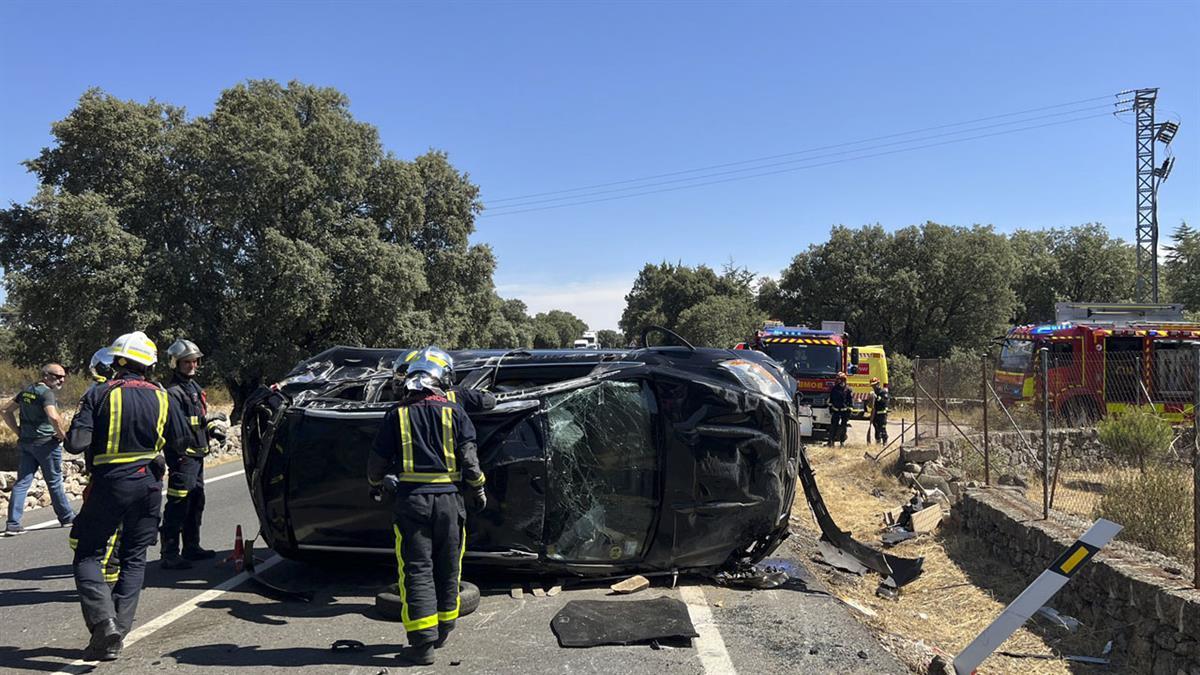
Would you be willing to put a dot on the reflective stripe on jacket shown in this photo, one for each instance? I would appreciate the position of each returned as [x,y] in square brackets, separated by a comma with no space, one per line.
[130,421]
[192,402]
[430,445]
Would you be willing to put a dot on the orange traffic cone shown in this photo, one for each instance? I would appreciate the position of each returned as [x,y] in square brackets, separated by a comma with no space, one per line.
[238,557]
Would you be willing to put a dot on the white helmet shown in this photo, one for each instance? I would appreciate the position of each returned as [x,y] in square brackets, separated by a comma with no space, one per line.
[134,347]
[101,365]
[181,350]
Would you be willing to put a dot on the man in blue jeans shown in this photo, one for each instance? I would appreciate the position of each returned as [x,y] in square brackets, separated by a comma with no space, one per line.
[40,433]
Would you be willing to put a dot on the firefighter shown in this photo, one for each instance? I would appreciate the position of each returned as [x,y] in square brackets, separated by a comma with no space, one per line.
[841,398]
[424,449]
[101,368]
[185,482]
[879,414]
[121,425]
[472,400]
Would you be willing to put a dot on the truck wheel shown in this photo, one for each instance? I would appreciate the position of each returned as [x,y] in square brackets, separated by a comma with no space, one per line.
[388,604]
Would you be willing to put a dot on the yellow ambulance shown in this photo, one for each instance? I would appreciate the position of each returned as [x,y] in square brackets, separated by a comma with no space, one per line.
[872,362]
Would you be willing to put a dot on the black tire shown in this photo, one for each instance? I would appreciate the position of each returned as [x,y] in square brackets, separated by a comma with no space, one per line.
[387,602]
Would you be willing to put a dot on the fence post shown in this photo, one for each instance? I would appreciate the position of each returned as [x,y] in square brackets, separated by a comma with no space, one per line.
[916,402]
[987,446]
[1043,357]
[1196,470]
[937,412]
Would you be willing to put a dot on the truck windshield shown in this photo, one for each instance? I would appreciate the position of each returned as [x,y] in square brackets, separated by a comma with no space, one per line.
[1016,355]
[807,359]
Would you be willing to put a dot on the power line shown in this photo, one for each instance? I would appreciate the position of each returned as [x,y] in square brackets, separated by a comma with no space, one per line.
[800,152]
[796,168]
[786,162]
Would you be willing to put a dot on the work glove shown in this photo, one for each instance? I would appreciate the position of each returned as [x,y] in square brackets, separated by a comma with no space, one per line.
[476,499]
[385,489]
[158,467]
[217,428]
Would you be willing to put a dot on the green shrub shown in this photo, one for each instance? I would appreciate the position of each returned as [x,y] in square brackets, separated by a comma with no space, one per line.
[1136,436]
[1154,507]
[900,370]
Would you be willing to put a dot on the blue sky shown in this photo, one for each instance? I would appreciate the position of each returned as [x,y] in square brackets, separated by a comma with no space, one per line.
[539,96]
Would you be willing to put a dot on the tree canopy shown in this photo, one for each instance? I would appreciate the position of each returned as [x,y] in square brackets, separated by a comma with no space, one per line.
[663,293]
[272,228]
[1181,271]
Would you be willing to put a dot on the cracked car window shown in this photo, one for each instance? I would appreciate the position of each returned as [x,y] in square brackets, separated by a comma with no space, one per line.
[603,470]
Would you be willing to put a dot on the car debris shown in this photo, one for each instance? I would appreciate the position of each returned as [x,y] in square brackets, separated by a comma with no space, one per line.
[631,585]
[1061,620]
[759,576]
[590,623]
[1092,660]
[920,515]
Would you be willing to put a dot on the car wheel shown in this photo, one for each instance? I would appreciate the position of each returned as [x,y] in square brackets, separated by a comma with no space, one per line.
[387,602]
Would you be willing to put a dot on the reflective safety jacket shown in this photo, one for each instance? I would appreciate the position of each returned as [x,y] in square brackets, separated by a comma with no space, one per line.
[429,444]
[882,397]
[840,398]
[191,400]
[125,423]
[471,400]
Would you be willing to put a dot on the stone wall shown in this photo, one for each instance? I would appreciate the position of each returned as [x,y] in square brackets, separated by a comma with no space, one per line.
[1080,448]
[1124,593]
[74,479]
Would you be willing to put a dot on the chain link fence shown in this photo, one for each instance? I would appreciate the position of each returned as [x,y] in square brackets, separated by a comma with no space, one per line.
[1106,434]
[1120,439]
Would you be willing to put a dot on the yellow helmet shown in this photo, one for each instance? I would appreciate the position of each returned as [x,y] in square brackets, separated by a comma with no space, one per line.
[135,347]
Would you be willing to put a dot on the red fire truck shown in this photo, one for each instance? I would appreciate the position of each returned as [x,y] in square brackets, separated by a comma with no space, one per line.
[814,358]
[1104,359]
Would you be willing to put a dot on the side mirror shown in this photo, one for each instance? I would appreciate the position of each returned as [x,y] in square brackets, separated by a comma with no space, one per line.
[854,355]
[852,370]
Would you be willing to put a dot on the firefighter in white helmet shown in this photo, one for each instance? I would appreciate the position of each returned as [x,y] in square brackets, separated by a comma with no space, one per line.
[121,425]
[184,510]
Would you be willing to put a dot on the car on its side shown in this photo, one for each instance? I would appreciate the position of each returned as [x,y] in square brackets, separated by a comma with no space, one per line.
[598,462]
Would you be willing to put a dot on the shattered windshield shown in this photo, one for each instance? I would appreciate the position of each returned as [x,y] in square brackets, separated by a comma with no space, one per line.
[1016,355]
[603,470]
[801,358]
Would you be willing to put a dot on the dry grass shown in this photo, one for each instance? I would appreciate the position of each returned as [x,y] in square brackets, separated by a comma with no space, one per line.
[944,607]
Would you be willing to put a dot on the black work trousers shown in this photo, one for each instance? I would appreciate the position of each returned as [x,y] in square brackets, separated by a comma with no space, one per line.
[430,537]
[839,421]
[129,505]
[879,420]
[184,509]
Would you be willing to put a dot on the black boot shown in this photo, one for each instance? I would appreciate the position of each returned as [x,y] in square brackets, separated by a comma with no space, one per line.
[173,561]
[105,644]
[197,553]
[443,635]
[417,655]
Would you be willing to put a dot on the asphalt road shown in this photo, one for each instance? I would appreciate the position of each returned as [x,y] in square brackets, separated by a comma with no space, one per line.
[204,621]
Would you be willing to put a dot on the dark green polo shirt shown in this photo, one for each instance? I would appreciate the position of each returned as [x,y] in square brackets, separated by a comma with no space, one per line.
[35,423]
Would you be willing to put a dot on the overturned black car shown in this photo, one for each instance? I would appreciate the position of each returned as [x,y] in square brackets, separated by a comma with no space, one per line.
[597,462]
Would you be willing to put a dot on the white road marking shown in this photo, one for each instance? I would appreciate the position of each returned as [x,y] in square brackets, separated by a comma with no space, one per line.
[207,481]
[714,657]
[171,616]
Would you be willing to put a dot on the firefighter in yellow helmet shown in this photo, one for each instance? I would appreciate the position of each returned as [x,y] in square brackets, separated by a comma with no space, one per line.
[841,399]
[424,450]
[122,425]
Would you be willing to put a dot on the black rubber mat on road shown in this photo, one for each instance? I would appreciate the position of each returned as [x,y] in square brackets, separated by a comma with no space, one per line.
[588,623]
